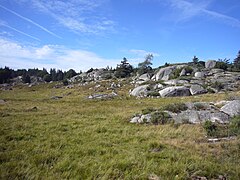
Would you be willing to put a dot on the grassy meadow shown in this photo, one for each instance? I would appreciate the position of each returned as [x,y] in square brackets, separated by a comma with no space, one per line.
[77,138]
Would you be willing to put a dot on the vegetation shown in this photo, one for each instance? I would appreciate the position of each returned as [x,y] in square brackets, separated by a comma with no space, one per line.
[145,66]
[76,138]
[210,128]
[195,60]
[235,126]
[160,117]
[223,64]
[236,63]
[176,73]
[176,107]
[6,74]
[124,69]
[217,85]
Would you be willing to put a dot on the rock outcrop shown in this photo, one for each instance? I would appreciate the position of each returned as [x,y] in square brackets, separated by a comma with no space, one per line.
[175,91]
[164,73]
[197,89]
[210,64]
[232,108]
[195,113]
[140,91]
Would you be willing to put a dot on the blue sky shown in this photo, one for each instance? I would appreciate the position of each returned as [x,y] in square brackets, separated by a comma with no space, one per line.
[81,34]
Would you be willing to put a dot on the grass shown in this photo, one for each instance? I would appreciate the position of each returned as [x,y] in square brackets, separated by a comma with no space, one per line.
[77,138]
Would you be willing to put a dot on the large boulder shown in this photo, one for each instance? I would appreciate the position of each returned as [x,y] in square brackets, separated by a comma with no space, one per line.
[139,91]
[164,73]
[199,74]
[210,64]
[232,108]
[194,116]
[197,89]
[183,72]
[175,91]
[144,77]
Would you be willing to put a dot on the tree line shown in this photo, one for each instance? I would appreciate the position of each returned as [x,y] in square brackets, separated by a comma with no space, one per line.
[123,70]
[6,74]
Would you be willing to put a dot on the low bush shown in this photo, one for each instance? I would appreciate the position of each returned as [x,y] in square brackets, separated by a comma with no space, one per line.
[210,128]
[160,117]
[176,107]
[153,93]
[235,126]
[217,85]
[148,110]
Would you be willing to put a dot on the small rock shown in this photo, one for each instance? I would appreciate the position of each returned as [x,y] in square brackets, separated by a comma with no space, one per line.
[145,118]
[2,101]
[56,97]
[135,120]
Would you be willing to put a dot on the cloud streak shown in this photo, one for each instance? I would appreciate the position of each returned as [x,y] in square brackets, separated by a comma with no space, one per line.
[79,16]
[189,10]
[30,21]
[2,23]
[142,53]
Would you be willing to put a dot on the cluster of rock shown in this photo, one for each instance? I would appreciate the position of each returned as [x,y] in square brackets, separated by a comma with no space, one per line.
[186,83]
[103,96]
[94,75]
[198,112]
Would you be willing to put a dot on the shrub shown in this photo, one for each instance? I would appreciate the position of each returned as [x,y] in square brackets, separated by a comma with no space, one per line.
[153,93]
[160,117]
[235,126]
[47,78]
[210,128]
[188,69]
[217,85]
[210,90]
[175,74]
[65,82]
[176,107]
[148,110]
[199,106]
[221,65]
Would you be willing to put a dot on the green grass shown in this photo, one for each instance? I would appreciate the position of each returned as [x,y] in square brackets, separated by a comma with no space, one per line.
[76,138]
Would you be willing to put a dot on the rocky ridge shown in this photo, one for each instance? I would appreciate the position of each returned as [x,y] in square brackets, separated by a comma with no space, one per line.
[185,80]
[194,113]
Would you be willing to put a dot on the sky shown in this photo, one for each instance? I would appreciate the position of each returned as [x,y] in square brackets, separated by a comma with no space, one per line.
[81,34]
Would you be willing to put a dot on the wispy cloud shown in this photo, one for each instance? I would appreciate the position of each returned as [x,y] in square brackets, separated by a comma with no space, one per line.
[80,16]
[191,9]
[142,53]
[30,21]
[5,24]
[16,55]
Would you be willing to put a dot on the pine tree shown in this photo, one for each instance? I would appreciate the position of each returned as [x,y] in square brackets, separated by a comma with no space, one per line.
[145,66]
[236,62]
